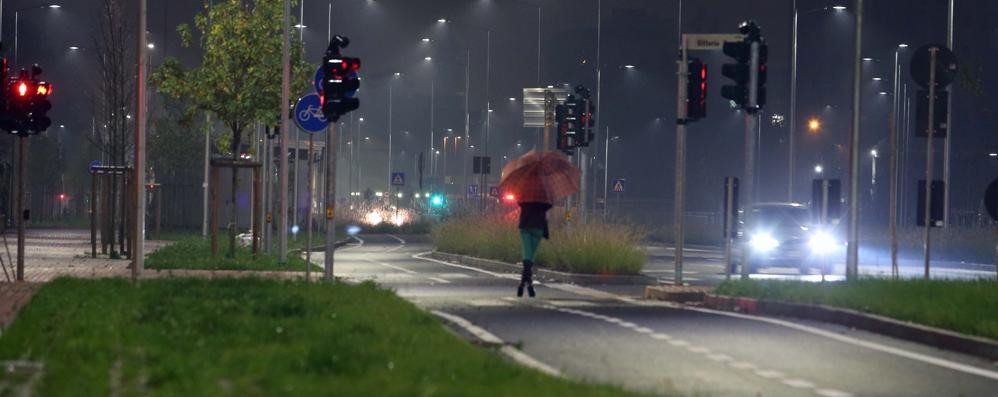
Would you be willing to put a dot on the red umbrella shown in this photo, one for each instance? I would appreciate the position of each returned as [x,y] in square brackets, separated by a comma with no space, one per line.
[542,177]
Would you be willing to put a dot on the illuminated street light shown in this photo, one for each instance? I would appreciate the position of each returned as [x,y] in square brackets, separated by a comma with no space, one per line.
[814,124]
[839,8]
[873,153]
[426,39]
[902,45]
[442,20]
[867,59]
[818,169]
[628,66]
[427,59]
[877,78]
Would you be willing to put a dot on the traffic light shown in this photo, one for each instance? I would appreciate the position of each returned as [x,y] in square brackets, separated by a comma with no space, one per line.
[509,198]
[750,56]
[26,104]
[696,89]
[340,81]
[437,200]
[561,118]
[585,111]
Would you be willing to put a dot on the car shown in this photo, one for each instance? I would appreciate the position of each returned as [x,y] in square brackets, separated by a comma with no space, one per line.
[785,235]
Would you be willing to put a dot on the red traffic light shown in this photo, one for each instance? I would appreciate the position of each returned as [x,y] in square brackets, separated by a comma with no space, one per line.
[22,88]
[62,196]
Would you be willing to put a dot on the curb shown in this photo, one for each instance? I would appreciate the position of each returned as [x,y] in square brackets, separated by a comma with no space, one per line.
[543,274]
[935,337]
[683,294]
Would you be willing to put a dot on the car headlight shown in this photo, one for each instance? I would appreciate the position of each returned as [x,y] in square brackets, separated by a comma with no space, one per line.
[763,242]
[822,243]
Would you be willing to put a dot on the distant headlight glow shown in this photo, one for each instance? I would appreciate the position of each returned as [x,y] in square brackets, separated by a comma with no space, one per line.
[763,242]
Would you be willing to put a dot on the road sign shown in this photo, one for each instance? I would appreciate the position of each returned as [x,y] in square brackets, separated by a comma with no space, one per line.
[317,81]
[946,65]
[533,104]
[991,199]
[308,114]
[710,41]
[618,185]
[494,191]
[398,179]
[939,116]
[94,165]
[472,190]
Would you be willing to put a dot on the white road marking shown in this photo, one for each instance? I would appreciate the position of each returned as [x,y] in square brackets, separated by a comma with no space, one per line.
[453,275]
[770,374]
[474,269]
[643,330]
[401,269]
[660,336]
[439,280]
[832,393]
[678,342]
[489,303]
[486,336]
[720,357]
[798,383]
[743,365]
[400,240]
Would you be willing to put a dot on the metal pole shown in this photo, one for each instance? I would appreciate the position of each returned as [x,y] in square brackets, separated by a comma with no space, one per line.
[16,19]
[488,107]
[467,120]
[538,46]
[606,170]
[139,217]
[949,122]
[22,143]
[389,186]
[311,208]
[893,138]
[283,109]
[297,179]
[927,211]
[852,255]
[330,199]
[793,110]
[433,104]
[583,200]
[748,184]
[267,189]
[680,191]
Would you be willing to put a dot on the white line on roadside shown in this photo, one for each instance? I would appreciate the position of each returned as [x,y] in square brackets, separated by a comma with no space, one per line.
[493,274]
[439,280]
[401,269]
[400,240]
[487,337]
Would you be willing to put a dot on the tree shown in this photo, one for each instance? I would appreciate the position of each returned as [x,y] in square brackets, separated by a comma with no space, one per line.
[239,79]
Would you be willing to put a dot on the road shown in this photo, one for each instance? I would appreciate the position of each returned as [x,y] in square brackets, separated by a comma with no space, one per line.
[608,335]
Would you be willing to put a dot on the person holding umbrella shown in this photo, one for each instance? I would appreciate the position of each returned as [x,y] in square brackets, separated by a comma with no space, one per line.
[537,179]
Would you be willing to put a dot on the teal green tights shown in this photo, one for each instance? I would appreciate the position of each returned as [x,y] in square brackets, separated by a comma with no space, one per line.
[531,240]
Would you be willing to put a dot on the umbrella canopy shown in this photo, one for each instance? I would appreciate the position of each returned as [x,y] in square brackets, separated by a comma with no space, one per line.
[541,177]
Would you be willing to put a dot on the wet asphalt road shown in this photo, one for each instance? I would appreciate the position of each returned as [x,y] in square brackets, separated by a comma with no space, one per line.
[607,335]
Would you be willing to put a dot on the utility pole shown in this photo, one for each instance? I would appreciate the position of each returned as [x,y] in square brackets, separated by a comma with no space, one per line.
[285,99]
[139,214]
[949,119]
[680,191]
[852,254]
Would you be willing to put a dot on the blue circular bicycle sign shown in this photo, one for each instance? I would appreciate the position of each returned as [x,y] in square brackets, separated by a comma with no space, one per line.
[308,114]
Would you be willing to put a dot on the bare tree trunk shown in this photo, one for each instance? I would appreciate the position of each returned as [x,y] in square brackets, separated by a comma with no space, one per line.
[237,133]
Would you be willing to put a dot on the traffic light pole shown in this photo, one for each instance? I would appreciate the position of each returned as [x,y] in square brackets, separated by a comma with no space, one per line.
[329,197]
[929,166]
[22,144]
[680,191]
[751,128]
[282,215]
[139,198]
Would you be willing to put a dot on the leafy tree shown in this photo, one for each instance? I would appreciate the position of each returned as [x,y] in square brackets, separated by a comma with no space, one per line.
[239,79]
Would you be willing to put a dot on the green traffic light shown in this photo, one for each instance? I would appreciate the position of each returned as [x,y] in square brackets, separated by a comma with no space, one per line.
[437,200]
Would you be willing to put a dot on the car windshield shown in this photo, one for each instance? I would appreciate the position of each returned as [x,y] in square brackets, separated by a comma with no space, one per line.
[782,216]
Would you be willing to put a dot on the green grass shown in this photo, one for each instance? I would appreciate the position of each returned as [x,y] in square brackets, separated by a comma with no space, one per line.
[254,337]
[593,248]
[195,253]
[964,306]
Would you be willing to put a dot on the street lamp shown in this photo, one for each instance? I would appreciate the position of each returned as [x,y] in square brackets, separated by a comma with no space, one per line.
[17,17]
[814,125]
[793,93]
[818,169]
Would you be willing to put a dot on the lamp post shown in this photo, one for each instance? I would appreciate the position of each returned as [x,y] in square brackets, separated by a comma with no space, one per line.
[793,95]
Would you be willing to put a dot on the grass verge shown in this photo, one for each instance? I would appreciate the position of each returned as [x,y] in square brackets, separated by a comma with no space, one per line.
[963,306]
[253,337]
[593,248]
[195,253]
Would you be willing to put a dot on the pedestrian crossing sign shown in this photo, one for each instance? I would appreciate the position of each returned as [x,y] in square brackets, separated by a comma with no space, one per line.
[618,185]
[398,179]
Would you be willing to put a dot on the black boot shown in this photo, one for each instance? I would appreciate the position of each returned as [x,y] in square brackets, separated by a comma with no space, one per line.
[526,279]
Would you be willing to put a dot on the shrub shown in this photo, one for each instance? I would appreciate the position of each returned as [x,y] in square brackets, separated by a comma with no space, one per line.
[593,248]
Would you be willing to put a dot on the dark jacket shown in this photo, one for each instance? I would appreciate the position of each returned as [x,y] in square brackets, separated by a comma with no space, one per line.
[534,216]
